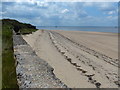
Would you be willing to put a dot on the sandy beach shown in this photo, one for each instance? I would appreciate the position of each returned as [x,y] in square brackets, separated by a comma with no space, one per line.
[80,59]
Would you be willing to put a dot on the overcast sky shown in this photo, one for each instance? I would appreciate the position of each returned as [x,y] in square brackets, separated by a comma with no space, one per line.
[62,13]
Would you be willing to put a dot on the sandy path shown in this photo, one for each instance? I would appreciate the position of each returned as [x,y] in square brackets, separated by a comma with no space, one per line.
[32,71]
[75,65]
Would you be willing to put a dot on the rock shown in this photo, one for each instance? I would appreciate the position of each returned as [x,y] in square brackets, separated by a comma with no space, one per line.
[98,84]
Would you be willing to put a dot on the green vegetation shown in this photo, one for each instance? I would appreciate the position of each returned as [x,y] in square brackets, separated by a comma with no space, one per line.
[9,79]
[27,31]
[18,27]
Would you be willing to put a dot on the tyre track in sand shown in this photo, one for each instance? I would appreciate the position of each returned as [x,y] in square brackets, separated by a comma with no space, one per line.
[74,64]
[63,46]
[62,68]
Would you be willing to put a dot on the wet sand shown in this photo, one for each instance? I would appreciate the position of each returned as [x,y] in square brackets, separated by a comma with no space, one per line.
[80,59]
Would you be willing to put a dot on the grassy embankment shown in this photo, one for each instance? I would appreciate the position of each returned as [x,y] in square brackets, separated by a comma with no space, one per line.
[9,79]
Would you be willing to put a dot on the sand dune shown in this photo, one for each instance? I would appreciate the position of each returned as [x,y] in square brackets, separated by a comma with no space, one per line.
[80,59]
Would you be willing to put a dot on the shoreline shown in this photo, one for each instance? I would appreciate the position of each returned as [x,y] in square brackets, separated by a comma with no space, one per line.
[86,29]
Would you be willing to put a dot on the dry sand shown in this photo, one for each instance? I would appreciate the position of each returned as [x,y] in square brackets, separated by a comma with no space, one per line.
[80,59]
[106,43]
[31,70]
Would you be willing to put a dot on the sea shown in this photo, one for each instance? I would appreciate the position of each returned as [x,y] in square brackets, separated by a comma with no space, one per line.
[81,28]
